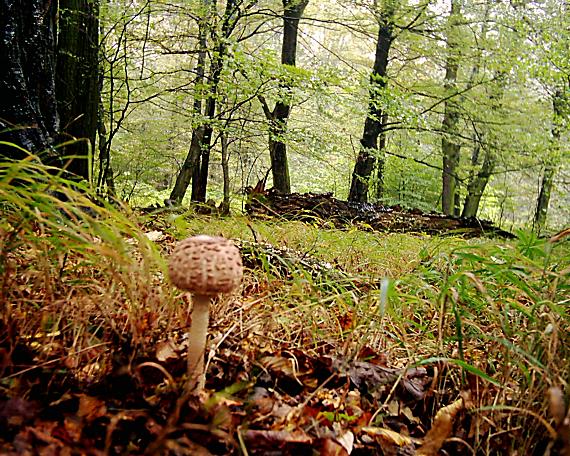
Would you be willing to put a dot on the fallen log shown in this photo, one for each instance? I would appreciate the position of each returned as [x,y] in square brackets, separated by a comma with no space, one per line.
[327,210]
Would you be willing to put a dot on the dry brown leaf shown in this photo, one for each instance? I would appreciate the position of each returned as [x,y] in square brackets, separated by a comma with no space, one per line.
[329,447]
[347,441]
[557,405]
[441,428]
[388,436]
[90,407]
[166,350]
[561,417]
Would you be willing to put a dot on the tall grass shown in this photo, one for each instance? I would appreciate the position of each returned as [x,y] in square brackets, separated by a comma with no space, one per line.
[73,274]
[81,284]
[494,313]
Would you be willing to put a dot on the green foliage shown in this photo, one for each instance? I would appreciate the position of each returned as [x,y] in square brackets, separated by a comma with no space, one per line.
[511,60]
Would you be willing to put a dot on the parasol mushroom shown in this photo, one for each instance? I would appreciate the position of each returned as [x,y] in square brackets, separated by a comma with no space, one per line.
[205,266]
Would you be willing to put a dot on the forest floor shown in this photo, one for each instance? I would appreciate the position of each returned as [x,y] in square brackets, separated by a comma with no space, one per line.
[339,342]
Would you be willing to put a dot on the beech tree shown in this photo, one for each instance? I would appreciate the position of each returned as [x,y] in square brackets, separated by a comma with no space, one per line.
[28,107]
[373,124]
[77,81]
[450,145]
[277,118]
[197,163]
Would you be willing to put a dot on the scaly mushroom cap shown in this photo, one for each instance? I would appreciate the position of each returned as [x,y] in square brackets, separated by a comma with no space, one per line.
[205,265]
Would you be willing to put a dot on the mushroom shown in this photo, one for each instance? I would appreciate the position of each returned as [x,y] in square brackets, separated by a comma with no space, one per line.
[205,266]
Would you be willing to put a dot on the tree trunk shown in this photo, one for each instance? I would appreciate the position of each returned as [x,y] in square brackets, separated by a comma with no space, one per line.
[206,140]
[292,12]
[381,160]
[373,126]
[190,170]
[106,177]
[28,113]
[225,207]
[450,147]
[477,184]
[478,180]
[559,107]
[543,200]
[77,81]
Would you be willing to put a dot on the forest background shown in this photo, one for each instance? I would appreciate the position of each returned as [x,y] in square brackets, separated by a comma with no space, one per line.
[339,339]
[457,106]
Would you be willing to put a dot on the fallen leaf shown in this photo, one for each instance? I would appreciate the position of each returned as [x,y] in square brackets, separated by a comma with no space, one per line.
[347,441]
[441,428]
[166,350]
[329,447]
[392,443]
[90,408]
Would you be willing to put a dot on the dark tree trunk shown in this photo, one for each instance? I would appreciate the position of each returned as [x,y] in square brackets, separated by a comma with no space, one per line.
[225,207]
[106,177]
[206,143]
[77,81]
[28,113]
[200,168]
[292,12]
[381,160]
[477,184]
[373,126]
[190,170]
[560,110]
[450,147]
[543,200]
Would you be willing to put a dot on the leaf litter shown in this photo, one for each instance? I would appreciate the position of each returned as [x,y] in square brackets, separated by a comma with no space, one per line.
[266,394]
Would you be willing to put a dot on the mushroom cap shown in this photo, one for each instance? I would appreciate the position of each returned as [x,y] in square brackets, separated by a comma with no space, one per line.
[206,265]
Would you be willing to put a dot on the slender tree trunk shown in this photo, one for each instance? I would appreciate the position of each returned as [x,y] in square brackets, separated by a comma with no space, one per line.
[77,81]
[547,183]
[219,53]
[190,170]
[225,207]
[28,113]
[450,146]
[292,13]
[106,178]
[477,184]
[209,114]
[479,179]
[381,160]
[373,127]
[543,200]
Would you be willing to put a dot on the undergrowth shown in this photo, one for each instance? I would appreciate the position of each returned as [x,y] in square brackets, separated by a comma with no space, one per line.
[82,288]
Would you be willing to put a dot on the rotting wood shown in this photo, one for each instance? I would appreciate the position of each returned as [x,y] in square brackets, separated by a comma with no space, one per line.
[324,210]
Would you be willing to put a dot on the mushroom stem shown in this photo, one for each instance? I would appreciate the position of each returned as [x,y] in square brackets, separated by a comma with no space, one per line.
[197,339]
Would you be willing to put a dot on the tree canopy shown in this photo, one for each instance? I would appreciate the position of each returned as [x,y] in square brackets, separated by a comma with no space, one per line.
[453,106]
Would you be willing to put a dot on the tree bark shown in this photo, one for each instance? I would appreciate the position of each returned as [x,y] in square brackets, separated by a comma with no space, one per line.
[477,185]
[559,107]
[373,126]
[28,113]
[190,170]
[381,161]
[209,114]
[450,147]
[292,12]
[543,199]
[225,207]
[77,81]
